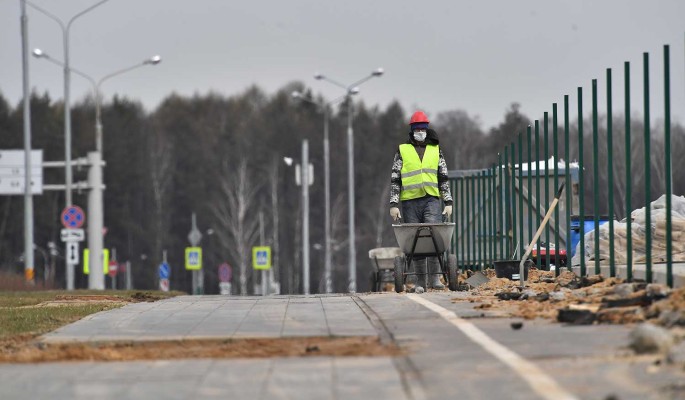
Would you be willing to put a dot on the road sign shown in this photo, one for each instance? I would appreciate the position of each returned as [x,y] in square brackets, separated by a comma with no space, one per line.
[113,268]
[261,257]
[224,287]
[105,261]
[72,253]
[225,272]
[73,217]
[164,271]
[12,172]
[193,258]
[164,285]
[73,235]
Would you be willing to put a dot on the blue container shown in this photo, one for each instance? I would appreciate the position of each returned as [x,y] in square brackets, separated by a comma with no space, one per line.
[589,226]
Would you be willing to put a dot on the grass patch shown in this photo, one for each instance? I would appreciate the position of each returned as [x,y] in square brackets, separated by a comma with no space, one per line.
[40,320]
[25,315]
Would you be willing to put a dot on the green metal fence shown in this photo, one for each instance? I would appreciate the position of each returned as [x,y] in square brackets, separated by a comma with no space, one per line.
[498,209]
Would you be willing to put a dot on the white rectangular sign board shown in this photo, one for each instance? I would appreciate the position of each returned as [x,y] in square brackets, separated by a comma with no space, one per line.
[12,172]
[72,253]
[73,235]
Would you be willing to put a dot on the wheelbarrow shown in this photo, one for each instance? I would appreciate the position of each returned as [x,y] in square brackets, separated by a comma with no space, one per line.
[425,240]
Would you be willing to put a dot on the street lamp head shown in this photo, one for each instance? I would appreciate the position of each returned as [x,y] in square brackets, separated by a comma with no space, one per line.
[288,161]
[318,76]
[354,90]
[296,95]
[38,53]
[154,60]
[378,72]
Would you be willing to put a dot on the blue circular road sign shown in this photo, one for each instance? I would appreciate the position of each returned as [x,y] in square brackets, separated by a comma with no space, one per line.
[164,271]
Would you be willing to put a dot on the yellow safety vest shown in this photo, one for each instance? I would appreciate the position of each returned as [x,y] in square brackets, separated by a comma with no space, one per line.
[419,177]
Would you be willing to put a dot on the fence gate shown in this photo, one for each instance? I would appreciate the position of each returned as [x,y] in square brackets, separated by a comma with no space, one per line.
[497,211]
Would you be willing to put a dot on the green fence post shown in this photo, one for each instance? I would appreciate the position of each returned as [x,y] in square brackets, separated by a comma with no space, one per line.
[669,176]
[595,173]
[482,226]
[474,238]
[530,189]
[610,176]
[502,203]
[462,209]
[545,143]
[581,200]
[455,219]
[493,209]
[569,189]
[648,167]
[483,221]
[520,159]
[629,229]
[508,208]
[467,221]
[555,131]
[538,218]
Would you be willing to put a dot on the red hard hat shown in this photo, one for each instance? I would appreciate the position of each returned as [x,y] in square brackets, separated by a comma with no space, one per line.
[418,116]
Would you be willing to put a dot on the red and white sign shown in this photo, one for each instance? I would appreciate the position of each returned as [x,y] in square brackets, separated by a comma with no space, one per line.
[164,285]
[113,268]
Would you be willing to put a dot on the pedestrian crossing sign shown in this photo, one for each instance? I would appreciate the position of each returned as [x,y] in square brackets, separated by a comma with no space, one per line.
[261,257]
[193,258]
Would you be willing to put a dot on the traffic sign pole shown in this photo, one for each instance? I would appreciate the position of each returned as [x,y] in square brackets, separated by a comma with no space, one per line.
[72,219]
[194,238]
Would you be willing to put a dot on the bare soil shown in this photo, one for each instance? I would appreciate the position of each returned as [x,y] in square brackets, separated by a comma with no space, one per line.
[26,350]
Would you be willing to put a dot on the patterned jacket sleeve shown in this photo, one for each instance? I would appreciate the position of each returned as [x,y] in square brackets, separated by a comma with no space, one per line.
[396,180]
[443,181]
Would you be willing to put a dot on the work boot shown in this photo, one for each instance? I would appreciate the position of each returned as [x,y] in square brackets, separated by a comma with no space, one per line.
[418,281]
[435,274]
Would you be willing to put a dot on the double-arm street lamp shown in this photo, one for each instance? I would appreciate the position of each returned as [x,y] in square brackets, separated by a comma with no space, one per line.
[96,279]
[349,91]
[67,108]
[325,108]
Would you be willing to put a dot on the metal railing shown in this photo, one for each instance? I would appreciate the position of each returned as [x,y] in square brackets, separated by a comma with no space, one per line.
[498,209]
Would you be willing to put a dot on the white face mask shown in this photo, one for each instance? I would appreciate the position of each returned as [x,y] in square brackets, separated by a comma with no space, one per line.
[419,136]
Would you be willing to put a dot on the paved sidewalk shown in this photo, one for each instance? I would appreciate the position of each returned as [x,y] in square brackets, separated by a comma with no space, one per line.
[198,317]
[203,317]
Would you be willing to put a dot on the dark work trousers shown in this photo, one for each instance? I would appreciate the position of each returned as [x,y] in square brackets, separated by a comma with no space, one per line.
[422,210]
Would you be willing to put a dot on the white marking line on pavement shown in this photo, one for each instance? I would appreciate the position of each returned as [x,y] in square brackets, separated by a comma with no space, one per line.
[540,382]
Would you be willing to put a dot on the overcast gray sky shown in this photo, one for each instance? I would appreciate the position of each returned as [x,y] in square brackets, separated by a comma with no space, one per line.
[438,55]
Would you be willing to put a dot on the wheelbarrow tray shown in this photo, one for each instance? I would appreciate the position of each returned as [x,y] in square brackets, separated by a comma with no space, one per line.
[406,233]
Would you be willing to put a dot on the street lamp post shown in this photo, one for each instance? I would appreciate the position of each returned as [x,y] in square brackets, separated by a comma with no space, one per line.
[95,199]
[327,184]
[352,279]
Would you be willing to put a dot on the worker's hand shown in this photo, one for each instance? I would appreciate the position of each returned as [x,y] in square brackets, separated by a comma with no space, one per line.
[447,211]
[395,213]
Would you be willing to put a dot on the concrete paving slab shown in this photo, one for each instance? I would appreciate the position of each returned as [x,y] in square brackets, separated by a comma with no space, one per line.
[222,317]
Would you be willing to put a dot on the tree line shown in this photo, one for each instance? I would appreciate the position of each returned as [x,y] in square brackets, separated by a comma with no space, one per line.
[221,157]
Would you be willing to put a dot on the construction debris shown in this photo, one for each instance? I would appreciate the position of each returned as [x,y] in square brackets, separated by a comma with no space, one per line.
[573,300]
[649,338]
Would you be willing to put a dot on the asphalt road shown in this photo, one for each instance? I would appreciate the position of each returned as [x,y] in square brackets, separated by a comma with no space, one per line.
[453,351]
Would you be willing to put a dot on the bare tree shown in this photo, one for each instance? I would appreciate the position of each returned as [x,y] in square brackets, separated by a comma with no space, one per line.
[160,183]
[462,135]
[237,225]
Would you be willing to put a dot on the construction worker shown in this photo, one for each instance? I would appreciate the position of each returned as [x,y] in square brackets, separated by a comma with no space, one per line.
[419,180]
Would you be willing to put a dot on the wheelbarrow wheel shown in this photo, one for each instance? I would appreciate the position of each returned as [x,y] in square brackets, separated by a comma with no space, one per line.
[399,274]
[453,272]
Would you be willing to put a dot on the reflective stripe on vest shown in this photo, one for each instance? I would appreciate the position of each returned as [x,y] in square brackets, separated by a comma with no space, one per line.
[419,177]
